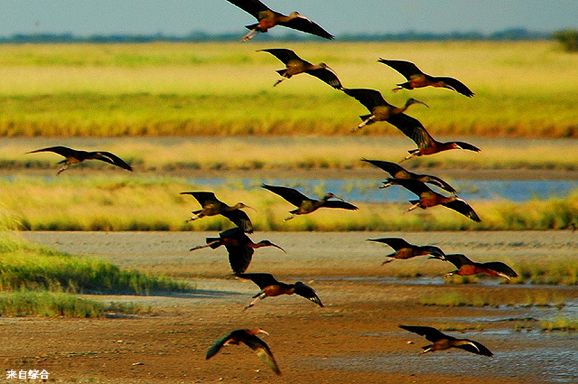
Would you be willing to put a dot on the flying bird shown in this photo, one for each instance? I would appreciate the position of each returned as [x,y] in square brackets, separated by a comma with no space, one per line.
[305,204]
[296,65]
[239,246]
[417,79]
[381,110]
[271,287]
[212,206]
[442,341]
[429,198]
[250,339]
[72,156]
[396,171]
[405,250]
[467,267]
[267,18]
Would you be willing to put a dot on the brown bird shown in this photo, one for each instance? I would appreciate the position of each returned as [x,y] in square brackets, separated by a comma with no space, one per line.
[296,65]
[429,198]
[380,109]
[405,250]
[213,206]
[442,341]
[417,79]
[467,267]
[239,246]
[268,18]
[398,172]
[306,205]
[250,339]
[271,287]
[72,156]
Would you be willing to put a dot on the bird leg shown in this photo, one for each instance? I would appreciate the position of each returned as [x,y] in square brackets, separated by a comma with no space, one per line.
[387,261]
[249,35]
[414,206]
[386,185]
[279,81]
[365,122]
[205,246]
[289,218]
[449,274]
[62,169]
[260,296]
[427,348]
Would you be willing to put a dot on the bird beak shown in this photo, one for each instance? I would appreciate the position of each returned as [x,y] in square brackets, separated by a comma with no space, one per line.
[421,102]
[276,246]
[263,331]
[338,198]
[251,208]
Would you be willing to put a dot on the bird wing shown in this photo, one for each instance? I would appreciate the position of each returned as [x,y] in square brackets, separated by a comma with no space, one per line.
[217,345]
[430,333]
[327,75]
[472,346]
[250,6]
[233,233]
[406,68]
[458,260]
[464,208]
[414,186]
[437,181]
[110,158]
[63,151]
[370,98]
[434,251]
[262,350]
[387,166]
[302,23]
[308,293]
[240,219]
[456,85]
[285,55]
[261,279]
[412,128]
[203,197]
[500,268]
[291,195]
[394,242]
[339,204]
[240,257]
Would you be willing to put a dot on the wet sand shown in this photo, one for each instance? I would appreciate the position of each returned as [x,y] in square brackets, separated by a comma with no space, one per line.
[354,339]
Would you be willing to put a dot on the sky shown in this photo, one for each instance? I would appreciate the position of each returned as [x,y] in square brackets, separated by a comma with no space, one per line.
[180,17]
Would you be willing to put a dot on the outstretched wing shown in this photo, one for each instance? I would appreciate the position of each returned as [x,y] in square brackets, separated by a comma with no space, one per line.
[412,128]
[406,68]
[262,350]
[302,23]
[437,181]
[261,279]
[62,151]
[387,166]
[339,204]
[291,195]
[307,292]
[430,333]
[110,158]
[250,6]
[370,98]
[203,197]
[240,257]
[240,219]
[472,346]
[464,208]
[501,268]
[285,55]
[394,242]
[458,260]
[217,345]
[327,75]
[456,85]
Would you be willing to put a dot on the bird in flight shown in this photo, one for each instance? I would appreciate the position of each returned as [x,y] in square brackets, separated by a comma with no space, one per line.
[73,156]
[442,341]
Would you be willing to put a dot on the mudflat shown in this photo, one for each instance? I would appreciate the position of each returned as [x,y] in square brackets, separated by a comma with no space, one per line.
[355,338]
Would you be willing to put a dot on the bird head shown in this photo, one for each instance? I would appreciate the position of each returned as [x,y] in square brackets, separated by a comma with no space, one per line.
[256,331]
[330,195]
[412,101]
[267,243]
[243,205]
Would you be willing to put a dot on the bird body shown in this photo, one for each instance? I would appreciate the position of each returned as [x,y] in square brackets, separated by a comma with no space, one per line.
[250,339]
[429,198]
[305,204]
[467,267]
[271,287]
[267,19]
[239,247]
[442,341]
[418,79]
[296,65]
[212,206]
[73,156]
[405,250]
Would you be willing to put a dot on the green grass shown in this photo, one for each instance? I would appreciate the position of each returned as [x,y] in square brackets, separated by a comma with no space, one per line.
[522,89]
[495,298]
[560,324]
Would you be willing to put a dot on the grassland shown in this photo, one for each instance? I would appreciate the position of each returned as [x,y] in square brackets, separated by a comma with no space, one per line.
[522,89]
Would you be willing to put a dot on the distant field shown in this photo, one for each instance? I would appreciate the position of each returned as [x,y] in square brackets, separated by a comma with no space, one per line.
[522,89]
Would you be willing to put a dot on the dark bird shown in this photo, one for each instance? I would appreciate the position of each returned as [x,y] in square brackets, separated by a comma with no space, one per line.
[417,79]
[381,110]
[405,250]
[467,267]
[212,206]
[72,156]
[429,198]
[442,341]
[306,205]
[250,339]
[239,246]
[398,172]
[271,287]
[296,65]
[267,18]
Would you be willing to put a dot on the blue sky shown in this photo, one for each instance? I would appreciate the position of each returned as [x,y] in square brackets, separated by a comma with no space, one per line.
[179,17]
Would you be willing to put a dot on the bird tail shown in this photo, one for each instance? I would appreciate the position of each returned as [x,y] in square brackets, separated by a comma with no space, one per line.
[365,117]
[251,26]
[282,72]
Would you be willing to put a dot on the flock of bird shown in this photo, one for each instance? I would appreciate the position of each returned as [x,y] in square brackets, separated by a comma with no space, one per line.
[240,247]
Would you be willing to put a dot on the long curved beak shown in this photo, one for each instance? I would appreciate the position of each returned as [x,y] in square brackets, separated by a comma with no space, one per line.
[338,198]
[251,208]
[420,102]
[263,332]
[276,246]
